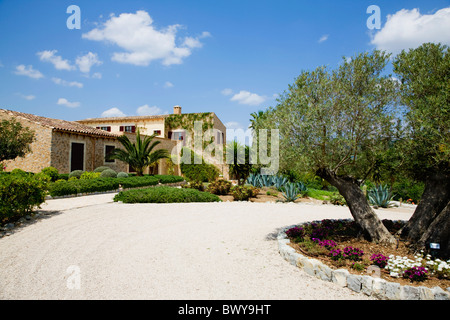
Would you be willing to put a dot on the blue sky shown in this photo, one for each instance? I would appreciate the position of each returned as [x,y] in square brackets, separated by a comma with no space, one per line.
[229,57]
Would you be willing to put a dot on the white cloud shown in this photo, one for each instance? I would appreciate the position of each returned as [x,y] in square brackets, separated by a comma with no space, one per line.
[409,29]
[57,61]
[323,38]
[27,97]
[248,98]
[142,42]
[233,125]
[97,75]
[145,110]
[113,112]
[168,84]
[227,92]
[67,103]
[28,71]
[67,83]
[86,62]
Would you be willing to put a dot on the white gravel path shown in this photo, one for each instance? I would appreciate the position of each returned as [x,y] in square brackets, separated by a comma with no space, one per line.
[162,251]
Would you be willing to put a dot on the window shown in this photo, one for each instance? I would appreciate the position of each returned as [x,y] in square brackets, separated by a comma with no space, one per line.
[105,128]
[108,151]
[130,129]
[157,132]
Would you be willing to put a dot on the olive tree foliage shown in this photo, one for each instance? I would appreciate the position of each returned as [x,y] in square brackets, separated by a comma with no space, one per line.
[424,73]
[15,140]
[337,123]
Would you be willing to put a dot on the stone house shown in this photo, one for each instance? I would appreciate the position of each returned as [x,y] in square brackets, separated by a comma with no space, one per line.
[69,146]
[177,127]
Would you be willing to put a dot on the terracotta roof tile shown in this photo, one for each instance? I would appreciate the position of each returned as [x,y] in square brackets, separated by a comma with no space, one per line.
[61,125]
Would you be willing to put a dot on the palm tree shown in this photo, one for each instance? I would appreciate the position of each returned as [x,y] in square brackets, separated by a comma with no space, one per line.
[140,154]
[240,166]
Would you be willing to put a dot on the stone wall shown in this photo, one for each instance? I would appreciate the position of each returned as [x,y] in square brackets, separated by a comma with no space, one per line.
[39,157]
[94,151]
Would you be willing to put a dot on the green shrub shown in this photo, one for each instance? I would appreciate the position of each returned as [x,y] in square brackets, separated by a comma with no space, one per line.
[108,173]
[89,175]
[101,169]
[198,185]
[63,176]
[243,193]
[168,178]
[203,171]
[75,186]
[122,175]
[165,195]
[51,172]
[337,199]
[76,173]
[219,187]
[18,171]
[20,194]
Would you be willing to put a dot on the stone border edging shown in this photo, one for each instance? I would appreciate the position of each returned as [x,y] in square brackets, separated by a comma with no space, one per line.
[370,286]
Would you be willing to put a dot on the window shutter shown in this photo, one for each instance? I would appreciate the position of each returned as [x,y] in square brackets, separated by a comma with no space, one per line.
[97,127]
[169,134]
[133,129]
[121,129]
[108,129]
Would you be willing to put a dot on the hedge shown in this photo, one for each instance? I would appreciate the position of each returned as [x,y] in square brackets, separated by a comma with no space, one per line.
[20,194]
[165,195]
[63,188]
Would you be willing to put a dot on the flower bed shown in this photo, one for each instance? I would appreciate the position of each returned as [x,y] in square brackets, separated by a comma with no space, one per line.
[340,245]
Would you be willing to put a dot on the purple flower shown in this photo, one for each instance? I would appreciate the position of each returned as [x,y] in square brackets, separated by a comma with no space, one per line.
[296,232]
[327,244]
[416,274]
[336,254]
[353,253]
[379,260]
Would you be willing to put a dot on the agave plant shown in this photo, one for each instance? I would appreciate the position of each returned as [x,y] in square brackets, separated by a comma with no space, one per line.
[380,196]
[266,180]
[290,192]
[301,187]
[279,181]
[255,180]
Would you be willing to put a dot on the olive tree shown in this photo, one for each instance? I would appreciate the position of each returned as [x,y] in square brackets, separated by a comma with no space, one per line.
[15,140]
[337,123]
[424,74]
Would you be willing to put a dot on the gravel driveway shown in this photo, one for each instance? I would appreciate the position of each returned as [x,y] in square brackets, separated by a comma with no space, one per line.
[92,248]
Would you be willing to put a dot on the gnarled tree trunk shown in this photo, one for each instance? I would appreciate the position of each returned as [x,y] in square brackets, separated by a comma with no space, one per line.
[359,206]
[430,221]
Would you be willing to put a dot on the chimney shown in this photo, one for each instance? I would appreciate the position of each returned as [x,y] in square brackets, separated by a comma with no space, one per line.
[177,110]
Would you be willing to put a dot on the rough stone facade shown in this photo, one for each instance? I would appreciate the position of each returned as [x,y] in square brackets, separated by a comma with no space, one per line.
[52,146]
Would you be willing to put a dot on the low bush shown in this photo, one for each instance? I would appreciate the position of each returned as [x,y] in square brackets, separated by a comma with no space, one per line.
[101,169]
[165,195]
[243,193]
[219,187]
[198,185]
[76,186]
[76,173]
[20,194]
[89,175]
[108,173]
[122,175]
[51,172]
